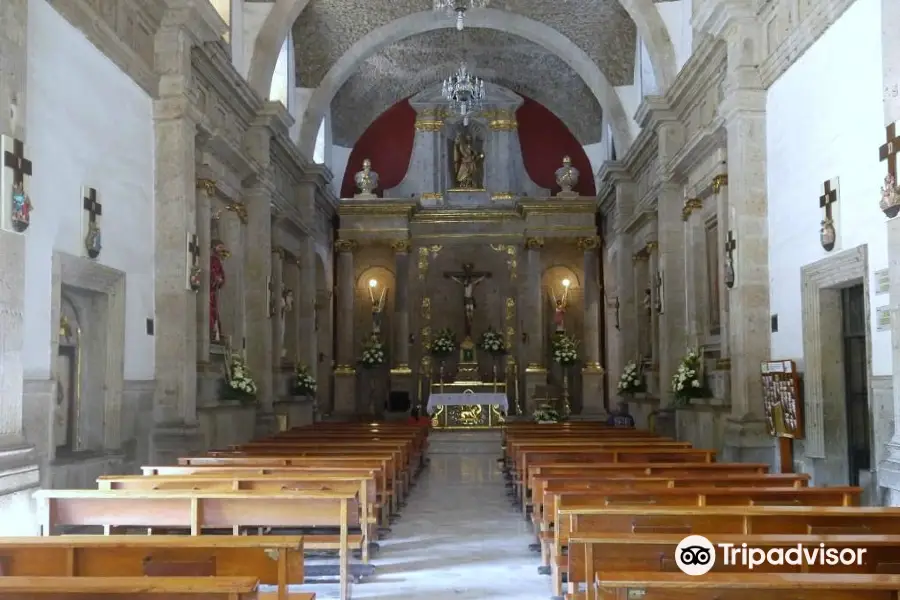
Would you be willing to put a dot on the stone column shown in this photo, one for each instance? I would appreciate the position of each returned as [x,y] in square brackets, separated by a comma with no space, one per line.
[503,147]
[743,111]
[293,282]
[889,469]
[258,269]
[20,474]
[305,307]
[428,167]
[277,283]
[206,191]
[532,323]
[672,322]
[720,196]
[592,392]
[345,371]
[655,294]
[231,229]
[401,374]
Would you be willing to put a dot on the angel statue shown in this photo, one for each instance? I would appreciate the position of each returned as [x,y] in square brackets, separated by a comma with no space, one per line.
[466,162]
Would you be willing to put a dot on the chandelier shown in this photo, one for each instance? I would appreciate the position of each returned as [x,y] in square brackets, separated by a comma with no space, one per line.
[464,92]
[458,8]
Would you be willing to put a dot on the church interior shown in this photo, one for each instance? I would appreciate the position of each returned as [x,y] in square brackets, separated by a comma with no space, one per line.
[503,299]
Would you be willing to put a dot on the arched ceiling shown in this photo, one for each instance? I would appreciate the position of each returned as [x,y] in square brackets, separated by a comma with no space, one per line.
[417,62]
[326,29]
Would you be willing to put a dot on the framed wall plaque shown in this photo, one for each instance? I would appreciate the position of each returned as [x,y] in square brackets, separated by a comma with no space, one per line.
[781,398]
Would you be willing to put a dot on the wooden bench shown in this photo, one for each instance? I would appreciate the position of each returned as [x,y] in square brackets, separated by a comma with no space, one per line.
[746,586]
[132,588]
[196,510]
[274,560]
[259,483]
[656,553]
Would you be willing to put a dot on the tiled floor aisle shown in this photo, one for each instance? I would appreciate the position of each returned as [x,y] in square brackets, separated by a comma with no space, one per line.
[458,536]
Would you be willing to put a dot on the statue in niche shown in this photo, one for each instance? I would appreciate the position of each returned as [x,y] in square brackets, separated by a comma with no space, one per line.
[67,369]
[377,311]
[467,162]
[218,253]
[287,305]
[648,301]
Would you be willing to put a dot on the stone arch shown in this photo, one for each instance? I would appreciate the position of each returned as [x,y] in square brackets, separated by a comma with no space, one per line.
[512,23]
[655,35]
[268,43]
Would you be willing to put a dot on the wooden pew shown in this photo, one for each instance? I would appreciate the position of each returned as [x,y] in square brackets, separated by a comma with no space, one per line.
[132,588]
[274,560]
[656,553]
[260,483]
[746,586]
[196,510]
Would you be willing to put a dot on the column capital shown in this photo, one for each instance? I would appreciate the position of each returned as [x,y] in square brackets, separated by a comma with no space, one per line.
[343,246]
[238,209]
[588,244]
[400,246]
[718,182]
[278,250]
[207,185]
[534,243]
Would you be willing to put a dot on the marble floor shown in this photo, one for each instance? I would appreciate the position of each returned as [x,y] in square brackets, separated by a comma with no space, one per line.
[458,537]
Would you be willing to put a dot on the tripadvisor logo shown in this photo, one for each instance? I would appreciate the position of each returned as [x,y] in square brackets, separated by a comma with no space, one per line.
[695,555]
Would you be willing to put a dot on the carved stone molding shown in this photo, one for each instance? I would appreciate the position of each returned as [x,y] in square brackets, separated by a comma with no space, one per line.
[278,251]
[345,245]
[238,209]
[534,243]
[586,244]
[400,246]
[208,186]
[719,181]
[690,205]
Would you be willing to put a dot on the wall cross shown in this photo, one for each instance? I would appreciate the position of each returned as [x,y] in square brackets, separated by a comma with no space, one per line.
[17,163]
[888,152]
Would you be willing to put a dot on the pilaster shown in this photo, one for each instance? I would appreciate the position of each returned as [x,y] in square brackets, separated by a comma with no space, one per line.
[305,309]
[401,374]
[670,286]
[592,393]
[206,190]
[345,371]
[278,285]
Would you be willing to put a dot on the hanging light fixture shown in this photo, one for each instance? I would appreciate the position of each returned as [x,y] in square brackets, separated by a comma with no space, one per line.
[464,92]
[458,8]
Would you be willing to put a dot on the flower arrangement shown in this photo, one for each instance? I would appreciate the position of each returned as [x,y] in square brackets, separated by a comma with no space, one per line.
[373,353]
[632,380]
[687,382]
[444,343]
[546,414]
[304,384]
[239,384]
[565,349]
[492,342]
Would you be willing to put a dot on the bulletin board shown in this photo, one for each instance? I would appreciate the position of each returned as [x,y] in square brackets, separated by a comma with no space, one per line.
[781,398]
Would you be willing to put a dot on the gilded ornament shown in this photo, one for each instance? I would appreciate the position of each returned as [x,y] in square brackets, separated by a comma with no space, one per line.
[344,245]
[503,125]
[592,367]
[586,244]
[400,246]
[534,243]
[208,186]
[344,370]
[278,251]
[367,179]
[651,247]
[437,196]
[718,182]
[238,209]
[690,205]
[429,125]
[500,196]
[567,176]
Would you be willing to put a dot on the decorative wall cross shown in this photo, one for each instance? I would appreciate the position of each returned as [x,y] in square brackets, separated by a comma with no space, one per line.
[193,263]
[829,196]
[91,223]
[890,193]
[730,247]
[16,204]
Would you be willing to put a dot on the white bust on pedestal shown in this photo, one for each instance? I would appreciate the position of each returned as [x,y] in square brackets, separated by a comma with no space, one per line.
[366,180]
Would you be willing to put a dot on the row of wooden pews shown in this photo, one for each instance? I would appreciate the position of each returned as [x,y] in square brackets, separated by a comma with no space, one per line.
[610,506]
[236,523]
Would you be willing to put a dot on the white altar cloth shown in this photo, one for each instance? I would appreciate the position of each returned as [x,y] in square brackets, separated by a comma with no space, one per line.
[457,399]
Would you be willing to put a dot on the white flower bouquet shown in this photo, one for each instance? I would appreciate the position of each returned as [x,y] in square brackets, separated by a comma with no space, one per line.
[688,381]
[545,414]
[492,342]
[564,349]
[632,380]
[444,343]
[304,384]
[239,384]
[373,354]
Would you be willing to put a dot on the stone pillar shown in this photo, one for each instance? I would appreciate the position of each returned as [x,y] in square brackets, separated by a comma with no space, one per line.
[743,111]
[257,271]
[720,196]
[889,469]
[655,295]
[503,146]
[305,307]
[345,371]
[231,298]
[532,323]
[292,336]
[592,392]
[401,374]
[206,191]
[670,269]
[277,283]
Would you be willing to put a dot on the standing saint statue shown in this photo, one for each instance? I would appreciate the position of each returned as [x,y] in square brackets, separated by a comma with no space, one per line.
[466,162]
[559,315]
[287,305]
[218,254]
[468,279]
[377,310]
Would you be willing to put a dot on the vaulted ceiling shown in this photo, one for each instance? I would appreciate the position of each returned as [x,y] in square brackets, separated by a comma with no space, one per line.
[327,29]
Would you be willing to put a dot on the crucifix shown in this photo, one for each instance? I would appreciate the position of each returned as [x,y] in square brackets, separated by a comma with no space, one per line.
[890,193]
[193,263]
[828,235]
[468,278]
[91,226]
[730,247]
[17,205]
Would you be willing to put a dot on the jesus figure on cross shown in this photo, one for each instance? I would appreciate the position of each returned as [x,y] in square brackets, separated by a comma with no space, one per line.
[468,279]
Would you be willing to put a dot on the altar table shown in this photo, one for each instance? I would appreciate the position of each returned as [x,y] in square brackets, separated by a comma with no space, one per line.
[467,410]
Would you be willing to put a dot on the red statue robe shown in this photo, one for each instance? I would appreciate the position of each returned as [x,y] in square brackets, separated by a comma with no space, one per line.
[216,283]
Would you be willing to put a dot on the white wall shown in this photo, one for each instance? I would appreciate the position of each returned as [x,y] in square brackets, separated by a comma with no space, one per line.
[677,18]
[88,124]
[340,156]
[598,154]
[824,120]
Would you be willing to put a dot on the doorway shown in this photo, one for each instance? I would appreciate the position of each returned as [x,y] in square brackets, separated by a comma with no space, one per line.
[856,384]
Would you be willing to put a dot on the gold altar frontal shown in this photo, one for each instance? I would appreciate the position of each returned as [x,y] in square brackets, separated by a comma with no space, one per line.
[468,416]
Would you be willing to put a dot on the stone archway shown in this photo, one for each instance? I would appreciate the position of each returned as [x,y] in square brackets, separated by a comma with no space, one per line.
[511,23]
